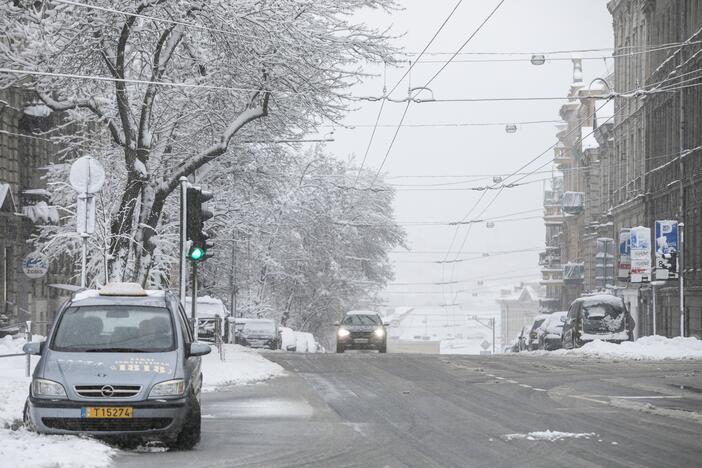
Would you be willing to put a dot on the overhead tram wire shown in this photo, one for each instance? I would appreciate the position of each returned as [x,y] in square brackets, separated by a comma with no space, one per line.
[404,114]
[380,111]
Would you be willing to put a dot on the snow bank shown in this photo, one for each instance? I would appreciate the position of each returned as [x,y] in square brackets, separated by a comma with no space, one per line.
[242,366]
[31,450]
[550,436]
[27,448]
[646,348]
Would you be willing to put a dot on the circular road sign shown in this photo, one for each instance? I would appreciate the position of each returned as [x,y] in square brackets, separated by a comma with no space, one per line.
[485,344]
[35,265]
[87,175]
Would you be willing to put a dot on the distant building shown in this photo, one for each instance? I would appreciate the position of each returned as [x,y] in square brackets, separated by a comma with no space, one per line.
[518,307]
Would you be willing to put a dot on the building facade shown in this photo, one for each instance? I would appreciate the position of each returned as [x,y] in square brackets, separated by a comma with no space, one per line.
[25,149]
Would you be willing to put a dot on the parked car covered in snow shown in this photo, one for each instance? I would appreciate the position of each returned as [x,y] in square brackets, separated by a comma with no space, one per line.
[599,317]
[550,332]
[119,363]
[520,341]
[259,333]
[532,339]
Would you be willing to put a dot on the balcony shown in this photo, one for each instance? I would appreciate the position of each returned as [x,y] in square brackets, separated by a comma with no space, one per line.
[572,203]
[574,272]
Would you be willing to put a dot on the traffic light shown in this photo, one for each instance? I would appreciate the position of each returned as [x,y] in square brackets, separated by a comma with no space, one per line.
[195,226]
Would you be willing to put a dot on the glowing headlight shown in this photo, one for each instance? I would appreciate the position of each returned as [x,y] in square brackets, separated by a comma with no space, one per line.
[379,332]
[169,388]
[47,389]
[343,333]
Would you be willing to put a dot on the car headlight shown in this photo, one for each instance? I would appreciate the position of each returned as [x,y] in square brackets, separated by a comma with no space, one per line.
[343,333]
[169,388]
[379,332]
[47,389]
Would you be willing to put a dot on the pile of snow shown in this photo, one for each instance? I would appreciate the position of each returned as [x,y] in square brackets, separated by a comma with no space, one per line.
[241,366]
[299,342]
[27,448]
[646,348]
[550,436]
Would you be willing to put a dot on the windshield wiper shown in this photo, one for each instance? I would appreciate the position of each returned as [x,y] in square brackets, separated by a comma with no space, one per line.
[114,350]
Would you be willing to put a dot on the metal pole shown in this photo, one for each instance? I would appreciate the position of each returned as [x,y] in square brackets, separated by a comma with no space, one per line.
[681,227]
[653,291]
[28,338]
[193,302]
[681,166]
[84,261]
[183,238]
[232,282]
[493,334]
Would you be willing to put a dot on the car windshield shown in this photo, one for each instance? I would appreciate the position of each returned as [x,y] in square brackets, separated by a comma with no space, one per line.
[603,318]
[263,327]
[115,328]
[360,319]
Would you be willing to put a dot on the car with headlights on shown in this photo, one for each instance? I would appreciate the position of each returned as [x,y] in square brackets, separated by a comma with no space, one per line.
[361,330]
[119,363]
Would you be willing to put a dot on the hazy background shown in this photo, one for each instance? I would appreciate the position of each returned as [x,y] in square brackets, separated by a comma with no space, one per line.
[519,26]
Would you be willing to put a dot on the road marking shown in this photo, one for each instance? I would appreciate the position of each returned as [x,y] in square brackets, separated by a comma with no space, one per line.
[650,397]
[499,378]
[525,385]
[540,389]
[512,381]
[580,397]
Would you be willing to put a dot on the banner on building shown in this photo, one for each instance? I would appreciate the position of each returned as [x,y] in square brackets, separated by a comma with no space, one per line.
[640,252]
[666,249]
[624,255]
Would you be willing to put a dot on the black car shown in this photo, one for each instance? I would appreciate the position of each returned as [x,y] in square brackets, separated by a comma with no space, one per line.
[361,330]
[600,317]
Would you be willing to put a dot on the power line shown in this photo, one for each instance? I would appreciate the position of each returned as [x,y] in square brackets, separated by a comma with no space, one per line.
[404,114]
[380,111]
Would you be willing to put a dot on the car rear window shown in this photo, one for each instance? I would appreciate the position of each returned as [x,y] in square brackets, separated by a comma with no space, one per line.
[259,328]
[359,319]
[603,317]
[115,328]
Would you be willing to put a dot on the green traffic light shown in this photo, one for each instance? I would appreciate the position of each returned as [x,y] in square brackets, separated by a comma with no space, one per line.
[197,253]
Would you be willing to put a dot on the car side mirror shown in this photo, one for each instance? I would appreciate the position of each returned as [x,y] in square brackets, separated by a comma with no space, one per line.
[199,349]
[336,324]
[34,347]
[386,324]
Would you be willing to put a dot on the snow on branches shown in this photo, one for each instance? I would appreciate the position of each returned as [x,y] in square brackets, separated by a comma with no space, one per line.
[164,89]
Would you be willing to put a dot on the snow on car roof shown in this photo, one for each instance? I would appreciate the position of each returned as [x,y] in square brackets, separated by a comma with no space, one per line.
[601,299]
[361,312]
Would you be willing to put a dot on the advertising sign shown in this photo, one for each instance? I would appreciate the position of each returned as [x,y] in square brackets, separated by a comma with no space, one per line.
[624,254]
[640,251]
[35,265]
[666,249]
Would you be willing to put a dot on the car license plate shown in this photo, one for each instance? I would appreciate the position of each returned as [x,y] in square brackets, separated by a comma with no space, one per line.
[360,340]
[107,412]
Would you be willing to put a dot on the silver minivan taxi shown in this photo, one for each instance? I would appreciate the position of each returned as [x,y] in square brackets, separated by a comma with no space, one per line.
[119,363]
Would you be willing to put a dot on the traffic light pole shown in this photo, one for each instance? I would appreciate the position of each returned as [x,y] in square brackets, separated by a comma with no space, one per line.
[193,302]
[183,239]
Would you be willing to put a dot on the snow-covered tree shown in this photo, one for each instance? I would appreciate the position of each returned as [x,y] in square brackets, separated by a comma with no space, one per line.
[167,89]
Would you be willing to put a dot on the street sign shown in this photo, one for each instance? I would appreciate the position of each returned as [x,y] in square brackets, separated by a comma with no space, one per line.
[87,175]
[485,344]
[624,254]
[35,265]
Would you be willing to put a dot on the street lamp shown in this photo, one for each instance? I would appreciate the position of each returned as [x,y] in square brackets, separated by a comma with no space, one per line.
[589,89]
[538,59]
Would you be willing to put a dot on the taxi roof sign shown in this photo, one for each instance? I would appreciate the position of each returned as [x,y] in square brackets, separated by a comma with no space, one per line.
[122,289]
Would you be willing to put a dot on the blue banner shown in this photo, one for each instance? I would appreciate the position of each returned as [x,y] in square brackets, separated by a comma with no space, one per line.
[666,249]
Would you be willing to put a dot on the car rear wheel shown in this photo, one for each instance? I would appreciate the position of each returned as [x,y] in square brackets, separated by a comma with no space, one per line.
[189,435]
[339,348]
[383,349]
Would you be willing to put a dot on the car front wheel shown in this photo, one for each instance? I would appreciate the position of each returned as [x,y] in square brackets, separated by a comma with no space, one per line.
[339,348]
[189,435]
